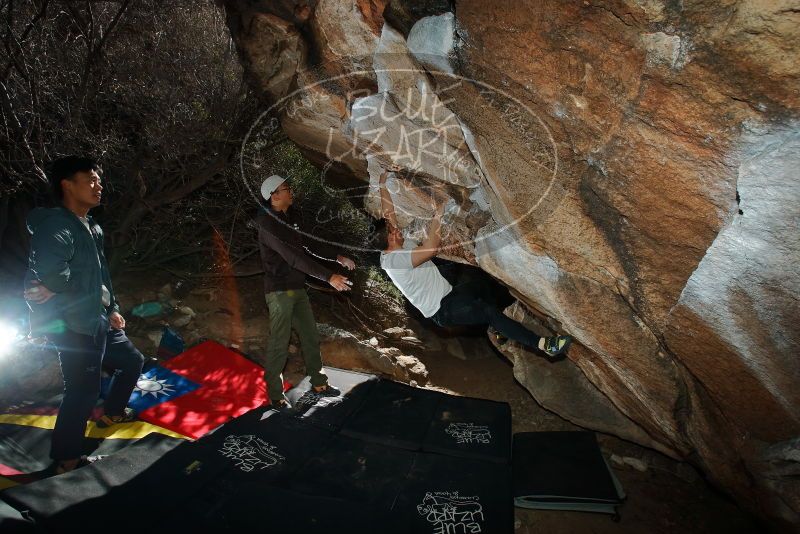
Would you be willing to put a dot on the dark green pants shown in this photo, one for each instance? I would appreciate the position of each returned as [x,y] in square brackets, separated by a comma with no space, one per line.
[287,310]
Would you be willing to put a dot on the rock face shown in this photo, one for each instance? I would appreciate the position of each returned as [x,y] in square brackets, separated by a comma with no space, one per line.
[342,349]
[628,169]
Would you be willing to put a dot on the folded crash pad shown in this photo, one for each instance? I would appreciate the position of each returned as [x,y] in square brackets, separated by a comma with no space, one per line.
[563,471]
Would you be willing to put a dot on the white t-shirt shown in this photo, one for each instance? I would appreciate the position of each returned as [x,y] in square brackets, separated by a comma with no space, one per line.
[424,286]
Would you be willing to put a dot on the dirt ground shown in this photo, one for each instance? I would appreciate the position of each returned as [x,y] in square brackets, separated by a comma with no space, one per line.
[663,496]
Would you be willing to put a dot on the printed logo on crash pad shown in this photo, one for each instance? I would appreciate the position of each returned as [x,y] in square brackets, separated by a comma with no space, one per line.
[469,433]
[250,453]
[447,511]
[159,385]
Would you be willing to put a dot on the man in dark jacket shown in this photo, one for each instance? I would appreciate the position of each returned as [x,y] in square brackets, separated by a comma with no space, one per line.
[286,263]
[69,291]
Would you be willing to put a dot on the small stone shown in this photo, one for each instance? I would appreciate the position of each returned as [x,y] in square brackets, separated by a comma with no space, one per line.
[432,344]
[373,341]
[413,383]
[182,321]
[635,463]
[154,336]
[186,310]
[395,332]
[623,461]
[517,524]
[293,349]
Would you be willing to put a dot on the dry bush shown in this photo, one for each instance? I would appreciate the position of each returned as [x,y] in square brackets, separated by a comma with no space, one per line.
[152,88]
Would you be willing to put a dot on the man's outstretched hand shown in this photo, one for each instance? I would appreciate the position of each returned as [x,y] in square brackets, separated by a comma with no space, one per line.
[346,262]
[339,282]
[38,294]
[117,321]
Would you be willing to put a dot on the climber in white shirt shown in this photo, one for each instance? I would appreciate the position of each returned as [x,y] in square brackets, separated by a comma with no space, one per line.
[410,267]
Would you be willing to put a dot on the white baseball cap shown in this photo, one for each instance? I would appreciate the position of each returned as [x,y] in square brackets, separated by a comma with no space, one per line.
[270,185]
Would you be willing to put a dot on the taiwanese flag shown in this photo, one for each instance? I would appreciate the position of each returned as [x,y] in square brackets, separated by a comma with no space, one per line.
[200,389]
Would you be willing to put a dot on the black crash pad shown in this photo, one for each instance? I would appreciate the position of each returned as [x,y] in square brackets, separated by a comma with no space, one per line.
[448,494]
[348,485]
[563,471]
[394,414]
[356,471]
[153,474]
[11,521]
[27,448]
[235,509]
[471,428]
[264,447]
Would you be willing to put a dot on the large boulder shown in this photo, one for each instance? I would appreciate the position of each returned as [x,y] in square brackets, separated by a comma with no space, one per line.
[627,170]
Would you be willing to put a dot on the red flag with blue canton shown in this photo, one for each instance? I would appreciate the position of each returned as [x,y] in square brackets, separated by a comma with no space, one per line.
[199,390]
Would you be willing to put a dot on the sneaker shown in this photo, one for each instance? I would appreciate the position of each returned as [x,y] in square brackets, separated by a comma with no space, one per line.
[556,345]
[281,405]
[327,390]
[110,420]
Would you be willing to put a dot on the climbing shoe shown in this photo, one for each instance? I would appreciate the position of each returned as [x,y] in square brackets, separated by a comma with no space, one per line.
[499,339]
[556,345]
[109,420]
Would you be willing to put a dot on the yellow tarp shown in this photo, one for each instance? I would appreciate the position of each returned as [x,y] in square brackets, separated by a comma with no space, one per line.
[134,430]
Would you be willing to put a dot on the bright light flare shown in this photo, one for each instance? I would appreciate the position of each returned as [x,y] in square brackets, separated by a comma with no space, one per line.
[8,337]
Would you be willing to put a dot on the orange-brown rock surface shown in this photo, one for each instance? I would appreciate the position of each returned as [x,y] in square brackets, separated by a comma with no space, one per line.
[628,168]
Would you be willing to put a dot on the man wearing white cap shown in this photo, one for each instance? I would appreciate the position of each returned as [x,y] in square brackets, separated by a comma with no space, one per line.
[286,262]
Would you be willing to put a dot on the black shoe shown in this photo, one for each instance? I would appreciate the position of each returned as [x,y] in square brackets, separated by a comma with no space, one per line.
[281,405]
[106,421]
[498,338]
[327,390]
